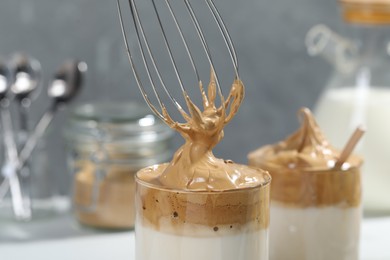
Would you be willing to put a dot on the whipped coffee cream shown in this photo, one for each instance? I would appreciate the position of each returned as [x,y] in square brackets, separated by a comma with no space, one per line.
[202,225]
[198,206]
[194,167]
[315,207]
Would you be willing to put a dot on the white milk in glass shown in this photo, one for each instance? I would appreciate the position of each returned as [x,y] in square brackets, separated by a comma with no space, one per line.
[339,112]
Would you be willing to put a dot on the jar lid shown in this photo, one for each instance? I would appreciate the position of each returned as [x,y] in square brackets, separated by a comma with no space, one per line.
[370,12]
[125,130]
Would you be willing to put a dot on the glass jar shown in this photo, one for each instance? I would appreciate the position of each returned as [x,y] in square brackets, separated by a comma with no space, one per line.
[358,91]
[40,193]
[107,144]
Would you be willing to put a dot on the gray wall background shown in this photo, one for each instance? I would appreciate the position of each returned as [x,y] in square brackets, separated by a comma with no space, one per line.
[269,38]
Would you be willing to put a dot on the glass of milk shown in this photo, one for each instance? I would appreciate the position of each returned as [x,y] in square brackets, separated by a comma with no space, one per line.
[315,214]
[192,225]
[358,92]
[315,203]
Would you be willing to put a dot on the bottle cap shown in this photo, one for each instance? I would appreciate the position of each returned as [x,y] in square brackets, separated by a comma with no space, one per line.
[369,12]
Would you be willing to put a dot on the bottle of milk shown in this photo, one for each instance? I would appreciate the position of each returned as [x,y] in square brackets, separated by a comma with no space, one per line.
[359,91]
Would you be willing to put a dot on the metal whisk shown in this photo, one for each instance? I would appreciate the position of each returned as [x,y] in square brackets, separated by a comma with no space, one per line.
[165,12]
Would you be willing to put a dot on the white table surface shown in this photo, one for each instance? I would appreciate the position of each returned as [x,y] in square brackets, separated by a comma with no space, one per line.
[375,245]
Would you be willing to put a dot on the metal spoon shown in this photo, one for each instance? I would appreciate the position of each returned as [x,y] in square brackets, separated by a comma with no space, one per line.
[11,159]
[27,77]
[64,87]
[4,82]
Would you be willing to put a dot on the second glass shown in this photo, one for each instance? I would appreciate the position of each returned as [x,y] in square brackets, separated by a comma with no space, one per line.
[316,214]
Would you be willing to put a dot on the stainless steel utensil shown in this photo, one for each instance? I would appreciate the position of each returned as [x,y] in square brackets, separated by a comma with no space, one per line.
[64,87]
[27,77]
[144,44]
[20,203]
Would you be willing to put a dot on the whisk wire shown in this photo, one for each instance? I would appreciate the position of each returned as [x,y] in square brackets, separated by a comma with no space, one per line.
[199,31]
[139,28]
[149,60]
[133,66]
[226,35]
[168,48]
[183,39]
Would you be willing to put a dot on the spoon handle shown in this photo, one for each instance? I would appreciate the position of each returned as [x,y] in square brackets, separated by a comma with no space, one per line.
[36,135]
[4,187]
[9,169]
[24,155]
[23,122]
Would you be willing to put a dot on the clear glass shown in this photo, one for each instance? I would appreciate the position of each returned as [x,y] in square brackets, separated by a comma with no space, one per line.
[314,214]
[185,225]
[39,185]
[358,93]
[107,144]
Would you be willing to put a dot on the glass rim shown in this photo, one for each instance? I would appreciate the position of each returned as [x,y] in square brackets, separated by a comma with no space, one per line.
[264,184]
[319,170]
[102,120]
